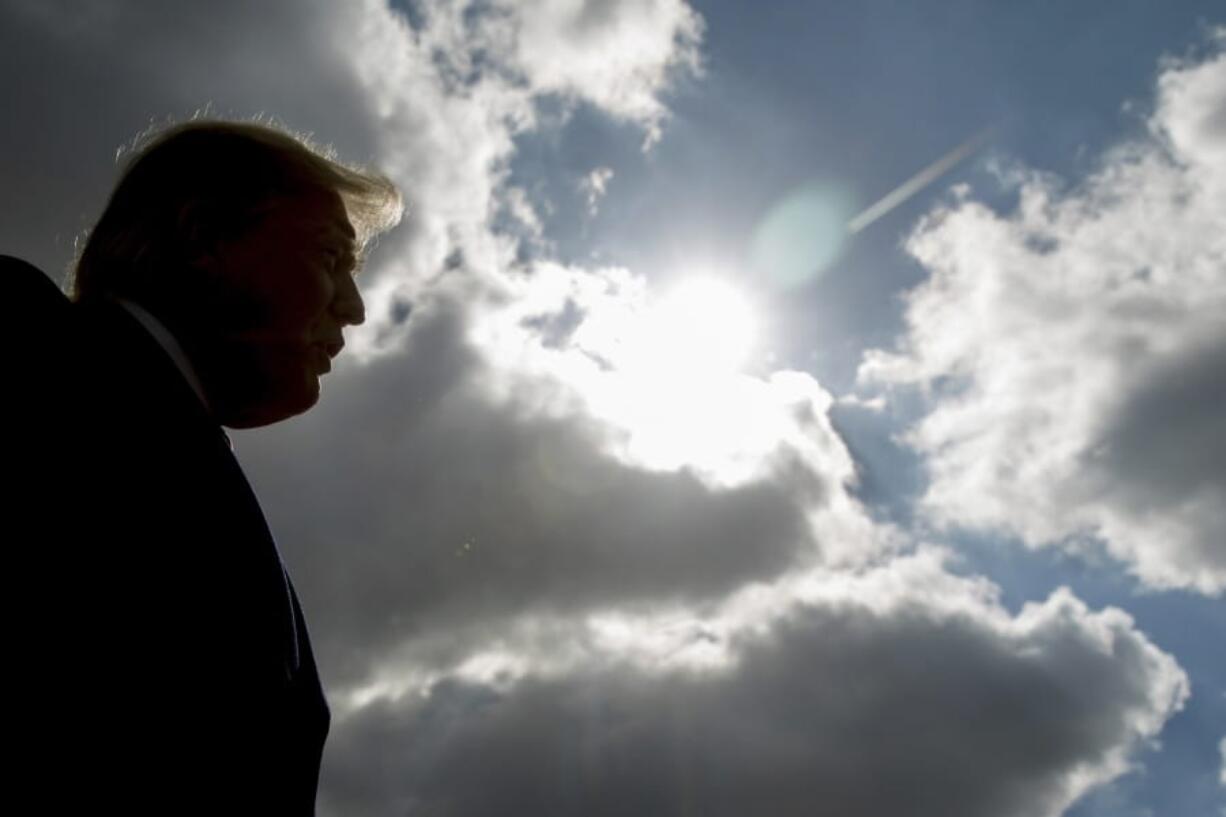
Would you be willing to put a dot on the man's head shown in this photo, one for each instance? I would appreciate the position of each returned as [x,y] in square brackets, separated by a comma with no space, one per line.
[244,241]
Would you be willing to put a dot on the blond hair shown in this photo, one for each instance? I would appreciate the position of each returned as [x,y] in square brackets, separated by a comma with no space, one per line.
[201,181]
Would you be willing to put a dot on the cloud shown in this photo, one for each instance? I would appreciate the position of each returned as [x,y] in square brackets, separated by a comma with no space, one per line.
[1074,347]
[870,696]
[615,56]
[593,187]
[1191,109]
[488,471]
[464,513]
[451,94]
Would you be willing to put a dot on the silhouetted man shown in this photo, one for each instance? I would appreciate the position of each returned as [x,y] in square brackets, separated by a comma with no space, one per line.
[162,662]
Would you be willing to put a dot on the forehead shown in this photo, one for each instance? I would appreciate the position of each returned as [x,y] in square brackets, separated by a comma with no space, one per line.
[319,216]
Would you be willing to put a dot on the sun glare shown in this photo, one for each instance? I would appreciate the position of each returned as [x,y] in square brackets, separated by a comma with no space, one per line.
[701,325]
[674,382]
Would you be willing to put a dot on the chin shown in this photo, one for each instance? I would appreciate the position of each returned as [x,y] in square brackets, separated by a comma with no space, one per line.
[273,412]
[301,405]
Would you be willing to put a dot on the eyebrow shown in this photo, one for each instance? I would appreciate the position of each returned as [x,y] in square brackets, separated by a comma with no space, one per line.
[336,234]
[340,236]
[349,251]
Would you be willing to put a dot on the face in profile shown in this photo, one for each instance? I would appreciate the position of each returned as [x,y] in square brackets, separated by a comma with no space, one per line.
[280,296]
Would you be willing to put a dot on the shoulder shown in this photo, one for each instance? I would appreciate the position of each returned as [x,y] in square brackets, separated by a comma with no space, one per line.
[29,286]
[16,270]
[34,335]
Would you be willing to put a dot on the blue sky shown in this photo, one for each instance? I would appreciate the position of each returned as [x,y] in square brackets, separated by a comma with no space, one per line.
[557,557]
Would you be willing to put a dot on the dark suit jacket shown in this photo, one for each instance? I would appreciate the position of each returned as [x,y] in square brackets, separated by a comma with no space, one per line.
[163,663]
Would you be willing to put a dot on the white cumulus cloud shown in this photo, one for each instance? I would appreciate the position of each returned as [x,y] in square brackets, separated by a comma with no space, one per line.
[1074,349]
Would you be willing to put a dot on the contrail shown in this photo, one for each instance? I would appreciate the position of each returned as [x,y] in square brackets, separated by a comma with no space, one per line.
[919,181]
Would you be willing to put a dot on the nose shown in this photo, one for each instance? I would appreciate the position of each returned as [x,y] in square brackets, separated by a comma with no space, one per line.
[347,306]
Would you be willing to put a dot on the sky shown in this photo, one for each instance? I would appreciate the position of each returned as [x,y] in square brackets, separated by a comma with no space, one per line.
[650,486]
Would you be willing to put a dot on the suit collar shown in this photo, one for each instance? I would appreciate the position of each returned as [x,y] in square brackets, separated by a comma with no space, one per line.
[137,364]
[170,344]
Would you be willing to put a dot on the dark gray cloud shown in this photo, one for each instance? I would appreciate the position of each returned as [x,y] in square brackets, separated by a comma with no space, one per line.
[1164,436]
[836,708]
[1169,441]
[438,507]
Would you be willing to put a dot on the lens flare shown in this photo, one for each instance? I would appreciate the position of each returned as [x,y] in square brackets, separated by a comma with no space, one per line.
[802,235]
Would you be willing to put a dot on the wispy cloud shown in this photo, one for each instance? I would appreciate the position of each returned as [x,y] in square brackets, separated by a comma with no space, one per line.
[593,187]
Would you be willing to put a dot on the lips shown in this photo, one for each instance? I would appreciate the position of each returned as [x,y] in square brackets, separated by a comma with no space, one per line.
[323,360]
[324,351]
